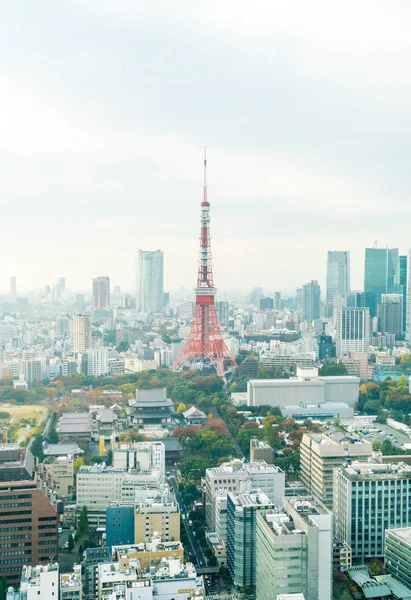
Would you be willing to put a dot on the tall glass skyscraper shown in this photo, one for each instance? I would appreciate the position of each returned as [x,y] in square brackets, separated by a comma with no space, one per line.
[150,287]
[338,275]
[401,286]
[311,301]
[379,273]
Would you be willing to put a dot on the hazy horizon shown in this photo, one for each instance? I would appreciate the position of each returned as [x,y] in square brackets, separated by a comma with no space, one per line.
[106,106]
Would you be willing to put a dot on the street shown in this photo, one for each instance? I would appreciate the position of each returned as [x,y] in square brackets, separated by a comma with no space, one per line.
[195,547]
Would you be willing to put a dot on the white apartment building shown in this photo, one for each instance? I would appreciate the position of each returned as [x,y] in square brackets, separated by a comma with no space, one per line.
[41,580]
[353,330]
[71,587]
[236,476]
[123,580]
[97,361]
[370,497]
[82,333]
[172,580]
[321,453]
[294,550]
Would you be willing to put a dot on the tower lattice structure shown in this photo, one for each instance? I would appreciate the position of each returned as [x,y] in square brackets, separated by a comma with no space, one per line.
[205,340]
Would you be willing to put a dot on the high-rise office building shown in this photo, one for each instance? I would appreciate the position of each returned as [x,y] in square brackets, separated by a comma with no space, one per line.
[150,286]
[369,498]
[360,299]
[29,521]
[101,293]
[320,453]
[391,313]
[311,301]
[266,303]
[222,310]
[62,283]
[294,550]
[353,330]
[242,512]
[338,275]
[379,273]
[230,477]
[299,300]
[400,285]
[408,302]
[13,288]
[82,333]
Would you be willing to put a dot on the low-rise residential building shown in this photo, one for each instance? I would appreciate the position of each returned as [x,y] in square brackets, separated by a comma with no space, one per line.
[61,469]
[260,450]
[71,587]
[150,554]
[127,580]
[40,580]
[157,515]
[92,558]
[115,578]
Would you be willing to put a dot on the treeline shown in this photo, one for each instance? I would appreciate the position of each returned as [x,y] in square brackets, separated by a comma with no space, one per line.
[386,399]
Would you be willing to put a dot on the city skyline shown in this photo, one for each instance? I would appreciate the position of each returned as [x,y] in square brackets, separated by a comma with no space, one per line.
[305,176]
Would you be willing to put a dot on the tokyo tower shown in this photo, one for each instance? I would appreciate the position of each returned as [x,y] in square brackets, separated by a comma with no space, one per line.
[205,340]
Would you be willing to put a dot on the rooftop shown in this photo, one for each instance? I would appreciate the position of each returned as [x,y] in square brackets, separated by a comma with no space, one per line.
[404,533]
[241,468]
[372,470]
[251,498]
[62,449]
[336,439]
[31,575]
[154,546]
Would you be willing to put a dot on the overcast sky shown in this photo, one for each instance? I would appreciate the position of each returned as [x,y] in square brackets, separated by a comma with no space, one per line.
[105,106]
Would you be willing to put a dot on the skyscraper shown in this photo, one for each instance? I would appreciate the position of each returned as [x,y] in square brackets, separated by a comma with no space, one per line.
[82,333]
[101,293]
[408,303]
[150,287]
[311,301]
[353,330]
[338,275]
[13,288]
[379,273]
[401,286]
[391,314]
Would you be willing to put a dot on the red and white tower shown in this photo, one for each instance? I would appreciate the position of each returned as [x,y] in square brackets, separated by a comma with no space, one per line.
[205,340]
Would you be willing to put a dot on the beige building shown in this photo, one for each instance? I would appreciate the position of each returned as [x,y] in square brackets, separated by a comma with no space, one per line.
[82,333]
[61,469]
[321,453]
[150,554]
[160,518]
[260,450]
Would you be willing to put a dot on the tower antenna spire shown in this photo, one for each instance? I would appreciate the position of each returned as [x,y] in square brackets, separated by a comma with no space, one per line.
[205,175]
